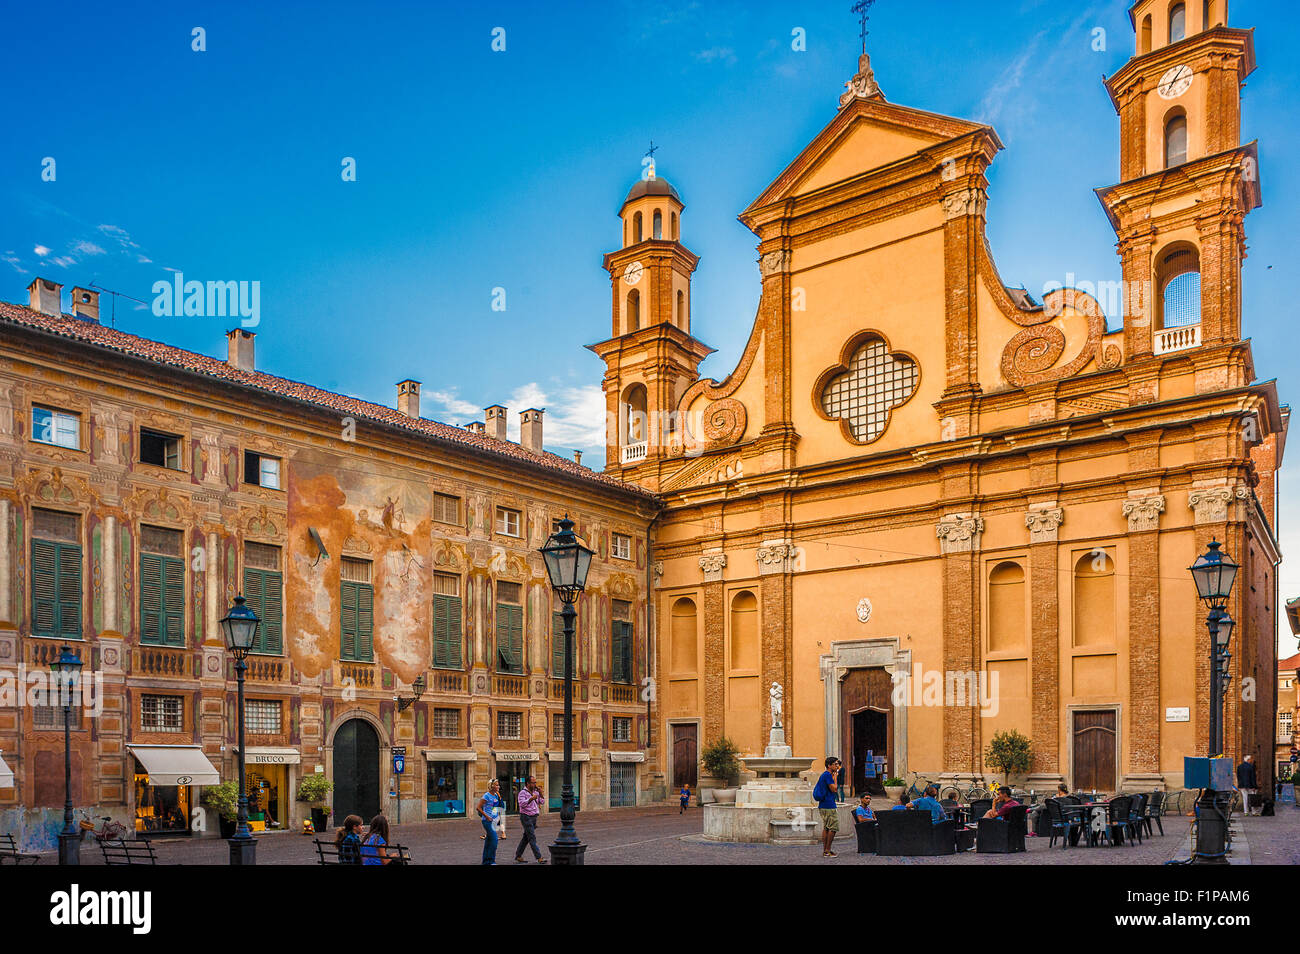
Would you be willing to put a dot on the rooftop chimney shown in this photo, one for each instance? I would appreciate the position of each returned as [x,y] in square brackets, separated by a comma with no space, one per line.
[85,304]
[530,429]
[577,457]
[241,349]
[496,421]
[408,398]
[475,427]
[46,296]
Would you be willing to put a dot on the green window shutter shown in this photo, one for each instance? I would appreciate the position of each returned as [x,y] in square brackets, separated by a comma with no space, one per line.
[45,603]
[262,593]
[622,652]
[365,622]
[510,637]
[173,601]
[69,580]
[446,632]
[151,598]
[557,645]
[348,621]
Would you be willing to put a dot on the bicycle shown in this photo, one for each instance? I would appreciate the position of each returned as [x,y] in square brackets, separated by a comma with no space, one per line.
[919,784]
[111,830]
[957,794]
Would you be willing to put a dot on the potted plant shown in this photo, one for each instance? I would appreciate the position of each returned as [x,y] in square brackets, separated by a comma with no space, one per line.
[721,760]
[894,789]
[1009,752]
[316,788]
[224,800]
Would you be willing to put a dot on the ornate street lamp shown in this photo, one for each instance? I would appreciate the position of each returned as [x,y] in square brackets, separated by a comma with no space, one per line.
[67,676]
[567,561]
[1214,573]
[240,630]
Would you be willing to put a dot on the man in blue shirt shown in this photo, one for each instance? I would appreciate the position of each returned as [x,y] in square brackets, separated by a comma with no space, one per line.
[929,802]
[824,796]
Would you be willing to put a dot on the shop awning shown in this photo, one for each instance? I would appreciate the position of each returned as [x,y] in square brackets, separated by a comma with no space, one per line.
[627,756]
[451,755]
[271,755]
[6,774]
[577,756]
[175,764]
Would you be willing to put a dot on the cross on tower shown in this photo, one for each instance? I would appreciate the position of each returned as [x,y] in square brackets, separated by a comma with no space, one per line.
[648,160]
[861,8]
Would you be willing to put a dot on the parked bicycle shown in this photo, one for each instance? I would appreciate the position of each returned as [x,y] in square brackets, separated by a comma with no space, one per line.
[108,831]
[958,794]
[919,784]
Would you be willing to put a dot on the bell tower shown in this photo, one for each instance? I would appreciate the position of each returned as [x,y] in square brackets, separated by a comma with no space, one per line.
[650,357]
[1187,180]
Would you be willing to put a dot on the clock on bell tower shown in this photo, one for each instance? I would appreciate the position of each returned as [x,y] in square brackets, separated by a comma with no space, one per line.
[1187,180]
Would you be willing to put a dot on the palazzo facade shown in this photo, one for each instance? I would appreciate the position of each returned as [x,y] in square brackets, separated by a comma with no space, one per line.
[932,506]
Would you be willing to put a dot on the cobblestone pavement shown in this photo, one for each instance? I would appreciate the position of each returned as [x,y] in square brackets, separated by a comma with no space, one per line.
[659,835]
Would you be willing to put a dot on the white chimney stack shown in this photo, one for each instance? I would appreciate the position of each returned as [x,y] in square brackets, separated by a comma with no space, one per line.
[45,296]
[241,349]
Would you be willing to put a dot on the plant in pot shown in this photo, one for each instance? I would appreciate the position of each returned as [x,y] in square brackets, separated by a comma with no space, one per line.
[894,788]
[721,759]
[316,788]
[224,800]
[1009,752]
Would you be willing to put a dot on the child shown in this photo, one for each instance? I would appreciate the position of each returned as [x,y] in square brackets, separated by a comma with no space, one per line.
[686,798]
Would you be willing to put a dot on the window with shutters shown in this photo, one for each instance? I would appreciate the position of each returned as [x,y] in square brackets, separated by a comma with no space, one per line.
[510,725]
[447,615]
[159,449]
[161,713]
[264,594]
[264,716]
[621,642]
[262,470]
[446,724]
[622,546]
[56,427]
[56,575]
[510,629]
[557,647]
[162,587]
[620,729]
[446,508]
[508,521]
[357,615]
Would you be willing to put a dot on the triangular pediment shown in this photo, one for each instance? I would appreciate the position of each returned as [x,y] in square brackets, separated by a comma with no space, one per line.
[868,133]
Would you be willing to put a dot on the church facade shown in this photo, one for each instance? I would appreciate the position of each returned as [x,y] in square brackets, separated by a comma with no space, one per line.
[933,507]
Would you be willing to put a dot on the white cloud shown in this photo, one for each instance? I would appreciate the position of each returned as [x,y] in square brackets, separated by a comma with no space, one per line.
[41,250]
[717,54]
[87,248]
[449,407]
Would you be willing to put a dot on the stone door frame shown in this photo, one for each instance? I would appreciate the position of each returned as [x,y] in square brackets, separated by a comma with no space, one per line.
[878,653]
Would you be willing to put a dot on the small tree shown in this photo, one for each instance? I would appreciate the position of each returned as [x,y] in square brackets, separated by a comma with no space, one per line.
[223,799]
[721,760]
[1009,752]
[314,788]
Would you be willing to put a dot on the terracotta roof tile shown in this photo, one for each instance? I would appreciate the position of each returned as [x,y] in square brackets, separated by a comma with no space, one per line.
[96,335]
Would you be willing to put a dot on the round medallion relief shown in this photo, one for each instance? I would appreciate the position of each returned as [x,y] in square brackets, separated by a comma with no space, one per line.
[864,610]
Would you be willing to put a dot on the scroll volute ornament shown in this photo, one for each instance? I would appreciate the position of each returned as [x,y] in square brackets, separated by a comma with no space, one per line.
[1030,355]
[724,422]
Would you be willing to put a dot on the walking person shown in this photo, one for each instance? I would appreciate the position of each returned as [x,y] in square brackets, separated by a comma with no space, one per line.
[530,806]
[487,809]
[686,797]
[1248,782]
[825,795]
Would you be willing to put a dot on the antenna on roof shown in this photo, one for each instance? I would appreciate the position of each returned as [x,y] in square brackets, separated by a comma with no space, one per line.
[116,295]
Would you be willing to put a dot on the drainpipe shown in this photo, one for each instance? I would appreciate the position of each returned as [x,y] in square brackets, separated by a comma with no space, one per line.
[649,630]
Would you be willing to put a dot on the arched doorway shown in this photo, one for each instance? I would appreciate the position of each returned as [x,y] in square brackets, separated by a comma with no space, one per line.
[356,770]
[866,701]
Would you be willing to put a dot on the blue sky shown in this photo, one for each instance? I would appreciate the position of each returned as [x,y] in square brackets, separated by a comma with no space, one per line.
[479,170]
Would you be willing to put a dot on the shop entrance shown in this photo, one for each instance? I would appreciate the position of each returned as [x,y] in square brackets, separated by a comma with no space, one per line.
[622,784]
[356,770]
[268,790]
[513,777]
[160,809]
[555,786]
[446,790]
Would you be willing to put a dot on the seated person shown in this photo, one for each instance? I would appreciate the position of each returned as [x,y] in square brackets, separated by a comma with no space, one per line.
[1002,803]
[863,812]
[904,801]
[1062,790]
[930,802]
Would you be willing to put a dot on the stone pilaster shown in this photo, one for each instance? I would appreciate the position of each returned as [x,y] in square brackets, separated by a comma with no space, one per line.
[1144,715]
[959,536]
[714,661]
[1043,522]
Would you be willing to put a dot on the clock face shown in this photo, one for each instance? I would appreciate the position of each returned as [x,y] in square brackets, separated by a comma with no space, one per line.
[632,274]
[1175,81]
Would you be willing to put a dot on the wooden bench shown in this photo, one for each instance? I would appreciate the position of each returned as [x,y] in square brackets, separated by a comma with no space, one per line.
[138,852]
[9,852]
[327,853]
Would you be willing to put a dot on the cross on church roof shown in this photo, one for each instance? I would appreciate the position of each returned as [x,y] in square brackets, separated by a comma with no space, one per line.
[648,160]
[861,8]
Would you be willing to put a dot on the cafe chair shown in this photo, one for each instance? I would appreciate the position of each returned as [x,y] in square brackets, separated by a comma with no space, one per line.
[866,832]
[1003,836]
[1137,814]
[1117,821]
[913,833]
[1155,811]
[1061,823]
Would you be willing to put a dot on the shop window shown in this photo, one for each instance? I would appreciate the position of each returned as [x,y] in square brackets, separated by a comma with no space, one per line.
[1006,607]
[356,611]
[684,636]
[445,783]
[162,587]
[510,629]
[159,449]
[1094,599]
[60,428]
[264,716]
[446,724]
[510,725]
[262,470]
[622,546]
[555,786]
[264,594]
[446,509]
[56,574]
[621,642]
[620,729]
[162,713]
[160,808]
[447,615]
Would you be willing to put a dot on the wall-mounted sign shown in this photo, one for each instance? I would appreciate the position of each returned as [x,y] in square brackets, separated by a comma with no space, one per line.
[1178,714]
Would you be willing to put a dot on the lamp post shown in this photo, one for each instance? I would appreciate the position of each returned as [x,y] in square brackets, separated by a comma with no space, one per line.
[240,630]
[67,671]
[567,561]
[1214,573]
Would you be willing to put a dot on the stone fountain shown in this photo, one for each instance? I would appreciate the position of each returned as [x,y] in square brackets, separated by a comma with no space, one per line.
[777,806]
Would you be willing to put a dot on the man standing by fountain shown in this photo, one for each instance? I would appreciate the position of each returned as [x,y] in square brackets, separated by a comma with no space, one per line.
[825,796]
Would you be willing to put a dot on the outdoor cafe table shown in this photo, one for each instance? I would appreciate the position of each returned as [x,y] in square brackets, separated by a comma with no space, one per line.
[1095,816]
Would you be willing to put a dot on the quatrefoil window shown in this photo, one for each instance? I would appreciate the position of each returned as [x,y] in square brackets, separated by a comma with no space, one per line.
[867,385]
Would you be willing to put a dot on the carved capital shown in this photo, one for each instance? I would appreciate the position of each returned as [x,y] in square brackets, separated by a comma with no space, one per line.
[1211,504]
[713,564]
[658,569]
[1143,513]
[775,557]
[959,533]
[774,262]
[963,202]
[1043,523]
